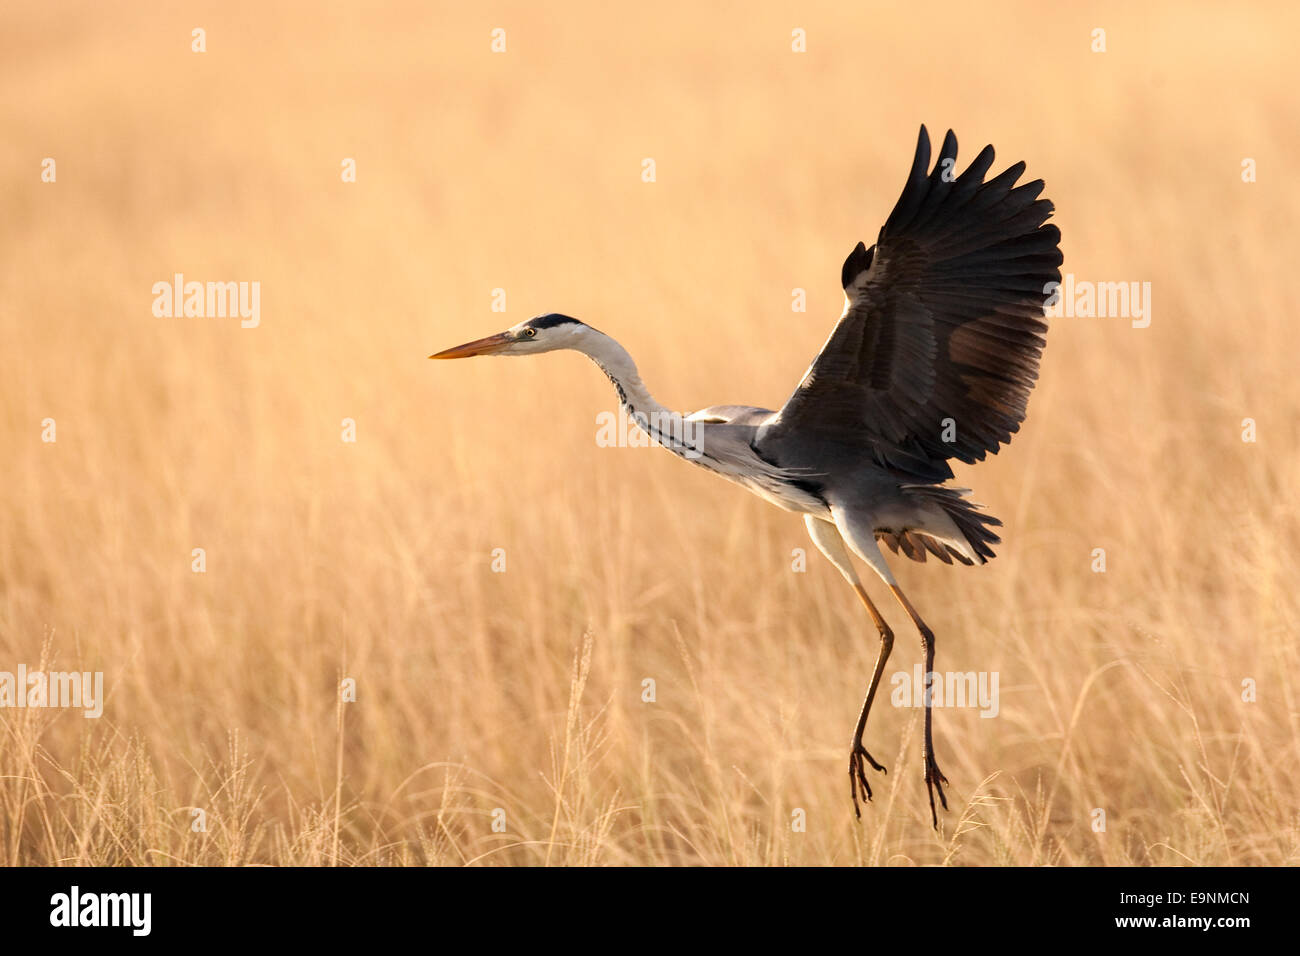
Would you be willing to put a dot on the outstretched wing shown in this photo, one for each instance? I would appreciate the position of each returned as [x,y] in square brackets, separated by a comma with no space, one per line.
[939,343]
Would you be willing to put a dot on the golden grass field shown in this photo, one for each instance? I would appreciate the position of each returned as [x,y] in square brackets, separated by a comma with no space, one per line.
[522,691]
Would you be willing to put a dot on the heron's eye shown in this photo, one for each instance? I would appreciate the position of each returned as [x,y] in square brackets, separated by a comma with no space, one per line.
[530,333]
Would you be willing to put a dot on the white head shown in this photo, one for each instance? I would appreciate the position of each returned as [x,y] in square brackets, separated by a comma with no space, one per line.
[546,333]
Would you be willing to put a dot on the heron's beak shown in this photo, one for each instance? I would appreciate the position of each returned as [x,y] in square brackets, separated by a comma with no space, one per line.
[493,343]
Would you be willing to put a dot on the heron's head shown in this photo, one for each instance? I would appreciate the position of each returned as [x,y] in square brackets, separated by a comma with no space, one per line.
[546,333]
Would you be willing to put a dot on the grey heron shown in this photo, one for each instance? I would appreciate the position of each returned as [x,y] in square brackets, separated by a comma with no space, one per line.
[932,359]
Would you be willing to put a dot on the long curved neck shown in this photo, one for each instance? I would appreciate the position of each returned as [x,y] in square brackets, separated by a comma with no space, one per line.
[619,368]
[672,430]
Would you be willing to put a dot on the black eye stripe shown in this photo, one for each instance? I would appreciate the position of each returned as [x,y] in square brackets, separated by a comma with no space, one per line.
[552,320]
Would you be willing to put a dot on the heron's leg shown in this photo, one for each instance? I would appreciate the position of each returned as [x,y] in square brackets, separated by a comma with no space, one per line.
[856,528]
[934,778]
[829,542]
[857,774]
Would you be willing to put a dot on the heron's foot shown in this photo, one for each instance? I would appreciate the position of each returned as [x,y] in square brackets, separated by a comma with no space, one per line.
[935,780]
[858,775]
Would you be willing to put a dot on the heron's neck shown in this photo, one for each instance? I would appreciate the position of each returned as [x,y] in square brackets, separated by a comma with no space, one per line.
[618,366]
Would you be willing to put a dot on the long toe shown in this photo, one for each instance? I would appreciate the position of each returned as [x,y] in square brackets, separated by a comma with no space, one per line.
[935,780]
[858,783]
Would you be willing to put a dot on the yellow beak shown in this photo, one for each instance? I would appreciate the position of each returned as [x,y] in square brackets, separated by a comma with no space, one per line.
[493,343]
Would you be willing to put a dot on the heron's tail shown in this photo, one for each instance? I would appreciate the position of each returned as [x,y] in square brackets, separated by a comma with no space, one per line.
[974,525]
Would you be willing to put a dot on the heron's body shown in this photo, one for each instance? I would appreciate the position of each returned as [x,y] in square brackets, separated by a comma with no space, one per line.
[932,359]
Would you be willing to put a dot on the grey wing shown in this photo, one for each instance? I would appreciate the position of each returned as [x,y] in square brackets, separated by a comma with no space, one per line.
[731,415]
[939,344]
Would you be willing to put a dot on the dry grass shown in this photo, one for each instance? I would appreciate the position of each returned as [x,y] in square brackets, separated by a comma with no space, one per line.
[522,690]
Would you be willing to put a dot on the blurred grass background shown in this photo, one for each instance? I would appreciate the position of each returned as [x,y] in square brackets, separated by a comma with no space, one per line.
[521,691]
